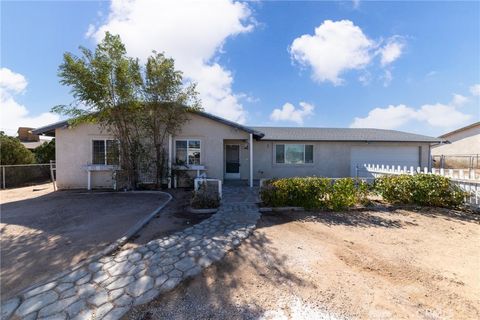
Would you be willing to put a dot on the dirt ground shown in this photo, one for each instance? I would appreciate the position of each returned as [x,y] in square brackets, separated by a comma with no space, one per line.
[174,217]
[388,264]
[44,232]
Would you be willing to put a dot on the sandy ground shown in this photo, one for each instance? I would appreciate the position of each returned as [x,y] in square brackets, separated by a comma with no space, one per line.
[44,232]
[174,217]
[363,265]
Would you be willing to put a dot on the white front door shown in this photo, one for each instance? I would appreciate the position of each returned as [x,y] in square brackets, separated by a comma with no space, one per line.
[232,161]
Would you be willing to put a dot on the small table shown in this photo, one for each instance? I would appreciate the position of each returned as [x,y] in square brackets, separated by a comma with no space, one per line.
[98,167]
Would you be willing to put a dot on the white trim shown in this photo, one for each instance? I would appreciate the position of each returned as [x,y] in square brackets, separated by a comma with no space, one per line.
[105,151]
[251,159]
[285,157]
[187,139]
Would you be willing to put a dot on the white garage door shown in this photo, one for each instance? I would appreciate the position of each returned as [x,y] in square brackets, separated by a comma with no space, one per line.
[396,156]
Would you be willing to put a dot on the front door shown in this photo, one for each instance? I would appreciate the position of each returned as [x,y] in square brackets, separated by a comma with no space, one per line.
[232,161]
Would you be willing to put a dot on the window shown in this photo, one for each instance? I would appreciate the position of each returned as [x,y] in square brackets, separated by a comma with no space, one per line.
[293,153]
[105,152]
[187,152]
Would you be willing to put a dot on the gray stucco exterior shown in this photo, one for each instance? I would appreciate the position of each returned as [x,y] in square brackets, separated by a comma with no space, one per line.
[330,158]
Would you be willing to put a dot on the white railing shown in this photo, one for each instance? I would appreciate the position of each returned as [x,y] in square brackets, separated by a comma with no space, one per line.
[197,182]
[465,179]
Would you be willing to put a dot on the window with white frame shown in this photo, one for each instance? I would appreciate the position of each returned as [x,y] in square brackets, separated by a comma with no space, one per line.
[105,152]
[293,153]
[187,151]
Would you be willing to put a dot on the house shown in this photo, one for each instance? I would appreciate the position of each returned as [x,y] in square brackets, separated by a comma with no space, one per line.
[28,139]
[222,149]
[461,150]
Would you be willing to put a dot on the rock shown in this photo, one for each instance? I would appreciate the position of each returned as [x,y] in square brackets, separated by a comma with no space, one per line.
[120,282]
[124,300]
[134,257]
[169,284]
[116,313]
[103,310]
[64,286]
[99,298]
[84,280]
[40,289]
[140,286]
[95,266]
[56,307]
[114,294]
[36,303]
[75,275]
[160,280]
[86,290]
[75,308]
[147,297]
[8,307]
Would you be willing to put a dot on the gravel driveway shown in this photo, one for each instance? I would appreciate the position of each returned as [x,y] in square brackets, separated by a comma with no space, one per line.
[42,236]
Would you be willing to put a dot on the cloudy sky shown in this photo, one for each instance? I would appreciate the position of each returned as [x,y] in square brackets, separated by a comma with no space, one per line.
[409,66]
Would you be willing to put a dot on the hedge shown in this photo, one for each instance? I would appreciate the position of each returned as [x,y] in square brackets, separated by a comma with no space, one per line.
[420,189]
[314,193]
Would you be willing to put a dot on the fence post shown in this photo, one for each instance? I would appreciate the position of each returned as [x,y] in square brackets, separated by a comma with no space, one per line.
[3,177]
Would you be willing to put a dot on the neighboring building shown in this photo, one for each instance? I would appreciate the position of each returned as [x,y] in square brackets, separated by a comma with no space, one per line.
[223,149]
[463,141]
[28,139]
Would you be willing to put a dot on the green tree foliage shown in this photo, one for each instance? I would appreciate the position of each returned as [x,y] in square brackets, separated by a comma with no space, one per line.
[135,104]
[45,152]
[167,102]
[12,151]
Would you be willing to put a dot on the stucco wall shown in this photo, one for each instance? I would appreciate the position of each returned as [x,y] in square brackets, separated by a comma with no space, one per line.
[330,159]
[73,150]
[212,135]
[462,143]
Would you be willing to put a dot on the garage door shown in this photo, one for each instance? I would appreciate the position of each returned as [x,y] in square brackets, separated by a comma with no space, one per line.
[396,156]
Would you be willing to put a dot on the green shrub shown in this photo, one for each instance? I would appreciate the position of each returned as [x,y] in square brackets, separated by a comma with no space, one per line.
[205,198]
[313,192]
[420,189]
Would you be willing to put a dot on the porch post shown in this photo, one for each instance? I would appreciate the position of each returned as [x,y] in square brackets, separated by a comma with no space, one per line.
[251,160]
[169,170]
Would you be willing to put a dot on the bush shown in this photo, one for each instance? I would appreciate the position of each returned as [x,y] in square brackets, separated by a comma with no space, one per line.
[204,199]
[12,151]
[420,189]
[313,192]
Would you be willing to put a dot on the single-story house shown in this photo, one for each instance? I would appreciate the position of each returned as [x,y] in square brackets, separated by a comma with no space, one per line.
[222,149]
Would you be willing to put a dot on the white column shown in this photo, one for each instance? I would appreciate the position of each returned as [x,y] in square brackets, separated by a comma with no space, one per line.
[251,160]
[89,174]
[169,169]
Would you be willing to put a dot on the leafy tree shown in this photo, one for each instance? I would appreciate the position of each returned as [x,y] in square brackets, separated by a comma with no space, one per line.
[167,102]
[139,106]
[106,85]
[45,152]
[12,151]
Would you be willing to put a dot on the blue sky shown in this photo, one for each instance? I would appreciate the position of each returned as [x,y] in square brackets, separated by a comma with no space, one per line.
[410,66]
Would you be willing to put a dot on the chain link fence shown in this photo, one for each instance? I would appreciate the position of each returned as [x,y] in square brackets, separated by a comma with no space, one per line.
[14,176]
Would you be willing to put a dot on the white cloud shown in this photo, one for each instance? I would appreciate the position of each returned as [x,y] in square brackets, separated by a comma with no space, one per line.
[11,81]
[435,115]
[288,112]
[340,46]
[13,114]
[193,33]
[475,89]
[459,100]
[336,46]
[392,50]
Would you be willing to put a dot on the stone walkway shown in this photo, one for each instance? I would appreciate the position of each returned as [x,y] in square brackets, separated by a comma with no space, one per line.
[107,288]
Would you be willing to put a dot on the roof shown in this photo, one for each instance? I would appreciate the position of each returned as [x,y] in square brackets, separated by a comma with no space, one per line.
[297,133]
[341,134]
[473,125]
[50,129]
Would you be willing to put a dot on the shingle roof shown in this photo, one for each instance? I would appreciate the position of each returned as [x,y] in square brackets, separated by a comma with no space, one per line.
[473,125]
[341,134]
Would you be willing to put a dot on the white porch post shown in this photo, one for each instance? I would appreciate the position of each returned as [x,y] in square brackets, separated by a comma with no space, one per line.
[89,179]
[251,159]
[169,170]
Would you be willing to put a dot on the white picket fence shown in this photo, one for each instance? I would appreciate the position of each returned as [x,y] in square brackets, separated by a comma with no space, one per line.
[465,179]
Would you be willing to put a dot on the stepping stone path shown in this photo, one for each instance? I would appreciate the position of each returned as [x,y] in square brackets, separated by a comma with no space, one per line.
[109,287]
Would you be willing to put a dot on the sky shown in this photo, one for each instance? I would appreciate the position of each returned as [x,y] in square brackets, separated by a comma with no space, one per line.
[410,66]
